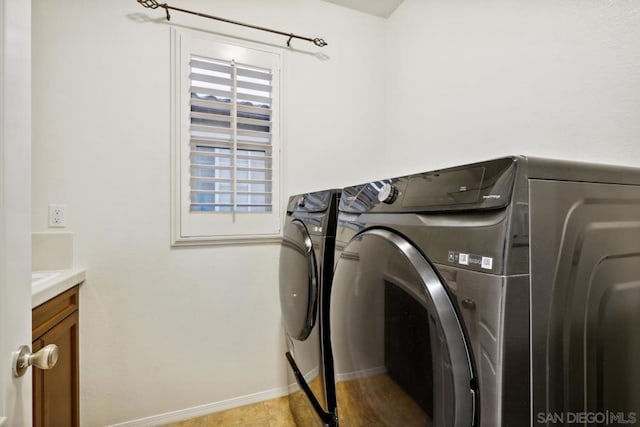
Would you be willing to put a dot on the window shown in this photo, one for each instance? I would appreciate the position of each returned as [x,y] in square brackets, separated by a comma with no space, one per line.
[226,150]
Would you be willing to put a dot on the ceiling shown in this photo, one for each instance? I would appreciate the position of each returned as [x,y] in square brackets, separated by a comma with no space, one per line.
[382,8]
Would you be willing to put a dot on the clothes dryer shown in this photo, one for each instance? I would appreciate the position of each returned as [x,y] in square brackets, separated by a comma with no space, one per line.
[306,270]
[501,293]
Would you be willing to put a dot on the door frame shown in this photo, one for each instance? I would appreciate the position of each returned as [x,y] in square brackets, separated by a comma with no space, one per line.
[15,206]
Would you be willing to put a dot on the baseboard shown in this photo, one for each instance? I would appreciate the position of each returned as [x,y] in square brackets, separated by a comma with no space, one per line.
[199,411]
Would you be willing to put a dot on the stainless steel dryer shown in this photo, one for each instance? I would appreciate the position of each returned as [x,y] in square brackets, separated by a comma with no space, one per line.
[502,293]
[306,270]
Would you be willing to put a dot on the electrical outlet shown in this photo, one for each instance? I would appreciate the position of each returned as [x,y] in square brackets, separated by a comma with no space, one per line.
[57,216]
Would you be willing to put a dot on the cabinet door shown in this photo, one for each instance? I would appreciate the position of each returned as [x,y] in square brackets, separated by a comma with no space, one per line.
[55,391]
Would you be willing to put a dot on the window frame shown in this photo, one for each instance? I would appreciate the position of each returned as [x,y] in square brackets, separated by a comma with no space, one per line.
[217,228]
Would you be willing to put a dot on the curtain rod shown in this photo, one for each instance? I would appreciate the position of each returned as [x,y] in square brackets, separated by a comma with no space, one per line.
[153,4]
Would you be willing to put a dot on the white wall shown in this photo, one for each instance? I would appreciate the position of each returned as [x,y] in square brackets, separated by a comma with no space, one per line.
[165,329]
[475,80]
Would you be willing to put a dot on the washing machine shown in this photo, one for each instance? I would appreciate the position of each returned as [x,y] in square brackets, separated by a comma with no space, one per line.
[500,293]
[306,270]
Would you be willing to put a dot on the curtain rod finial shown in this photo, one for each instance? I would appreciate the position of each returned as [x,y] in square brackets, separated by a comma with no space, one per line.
[150,4]
[319,42]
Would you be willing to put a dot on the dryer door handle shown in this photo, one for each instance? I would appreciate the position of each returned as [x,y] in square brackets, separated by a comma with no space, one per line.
[326,417]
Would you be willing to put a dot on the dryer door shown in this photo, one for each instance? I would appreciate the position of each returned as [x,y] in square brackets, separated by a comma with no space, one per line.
[399,350]
[298,281]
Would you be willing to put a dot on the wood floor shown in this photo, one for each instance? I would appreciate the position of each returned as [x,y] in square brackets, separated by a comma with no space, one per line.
[270,413]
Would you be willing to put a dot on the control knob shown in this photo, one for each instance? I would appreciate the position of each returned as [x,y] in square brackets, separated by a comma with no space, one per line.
[388,194]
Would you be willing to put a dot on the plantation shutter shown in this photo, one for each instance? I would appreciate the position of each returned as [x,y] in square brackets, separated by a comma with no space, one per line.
[230,137]
[226,140]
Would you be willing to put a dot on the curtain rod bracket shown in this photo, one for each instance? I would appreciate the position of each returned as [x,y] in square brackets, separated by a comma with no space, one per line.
[153,4]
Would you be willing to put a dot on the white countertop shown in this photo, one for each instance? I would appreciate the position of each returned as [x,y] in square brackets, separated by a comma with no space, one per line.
[48,284]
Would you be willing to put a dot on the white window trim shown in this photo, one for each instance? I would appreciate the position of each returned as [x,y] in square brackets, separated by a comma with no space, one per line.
[178,189]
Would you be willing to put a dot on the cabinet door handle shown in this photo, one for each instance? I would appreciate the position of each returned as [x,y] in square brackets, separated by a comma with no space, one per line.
[45,358]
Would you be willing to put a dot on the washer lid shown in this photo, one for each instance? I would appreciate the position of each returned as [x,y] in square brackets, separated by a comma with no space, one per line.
[400,354]
[298,281]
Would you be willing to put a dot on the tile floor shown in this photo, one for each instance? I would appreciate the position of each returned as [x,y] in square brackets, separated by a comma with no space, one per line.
[270,413]
[373,401]
[377,401]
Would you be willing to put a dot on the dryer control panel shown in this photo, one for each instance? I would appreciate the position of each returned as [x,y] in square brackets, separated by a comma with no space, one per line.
[479,186]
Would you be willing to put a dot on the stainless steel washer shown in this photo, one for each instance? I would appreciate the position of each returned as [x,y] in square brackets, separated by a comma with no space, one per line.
[501,293]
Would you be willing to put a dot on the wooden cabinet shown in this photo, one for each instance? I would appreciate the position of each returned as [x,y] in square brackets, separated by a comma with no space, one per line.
[56,391]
